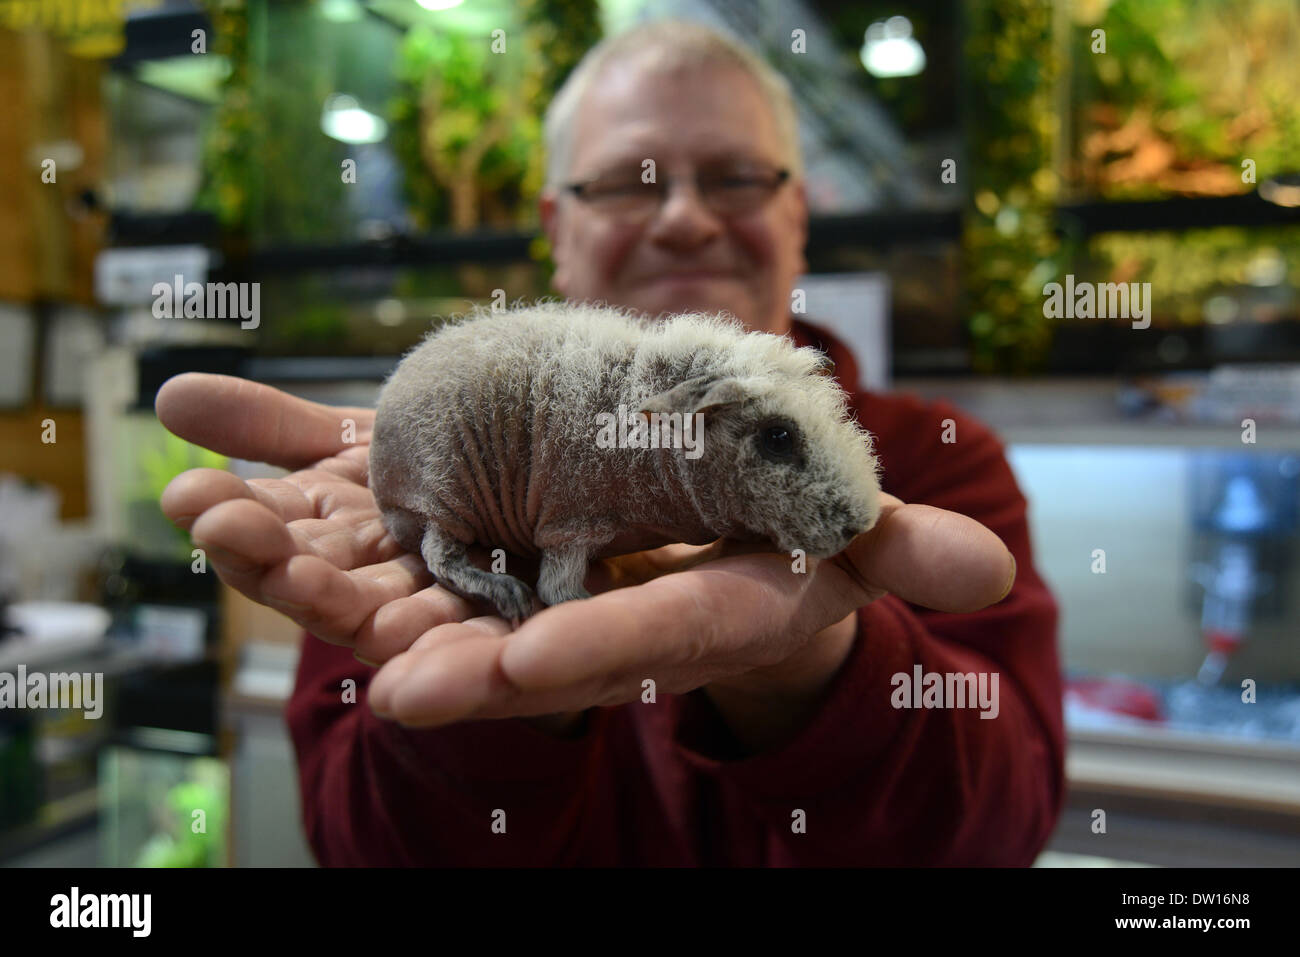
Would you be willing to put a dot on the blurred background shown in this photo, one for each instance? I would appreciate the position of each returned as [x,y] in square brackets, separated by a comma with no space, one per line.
[148,138]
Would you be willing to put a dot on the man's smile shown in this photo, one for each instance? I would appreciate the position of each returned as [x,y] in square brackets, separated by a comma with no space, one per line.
[691,276]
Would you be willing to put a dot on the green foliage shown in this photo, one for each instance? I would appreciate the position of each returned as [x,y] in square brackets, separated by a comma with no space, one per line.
[1185,90]
[228,141]
[467,122]
[428,199]
[180,845]
[465,141]
[307,320]
[168,458]
[560,33]
[1202,84]
[1007,240]
[1189,267]
[155,464]
[270,172]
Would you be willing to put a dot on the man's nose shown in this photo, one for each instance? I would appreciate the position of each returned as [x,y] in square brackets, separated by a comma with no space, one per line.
[684,219]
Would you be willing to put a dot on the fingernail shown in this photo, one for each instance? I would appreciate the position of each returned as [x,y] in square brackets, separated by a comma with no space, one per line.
[365,661]
[1011,582]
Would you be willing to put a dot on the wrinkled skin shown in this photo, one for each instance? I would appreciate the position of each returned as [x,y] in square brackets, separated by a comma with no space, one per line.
[312,545]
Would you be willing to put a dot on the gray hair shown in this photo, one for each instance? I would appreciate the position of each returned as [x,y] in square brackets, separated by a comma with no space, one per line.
[666,44]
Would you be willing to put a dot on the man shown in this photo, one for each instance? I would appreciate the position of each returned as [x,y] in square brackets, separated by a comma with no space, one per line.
[779,733]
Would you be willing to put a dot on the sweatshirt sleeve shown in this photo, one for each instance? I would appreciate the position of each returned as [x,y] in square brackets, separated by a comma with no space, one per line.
[374,793]
[890,785]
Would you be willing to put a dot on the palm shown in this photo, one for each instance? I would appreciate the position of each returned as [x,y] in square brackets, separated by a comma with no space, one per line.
[313,545]
[684,616]
[310,544]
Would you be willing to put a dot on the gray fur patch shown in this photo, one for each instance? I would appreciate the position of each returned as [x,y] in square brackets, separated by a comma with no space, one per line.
[489,433]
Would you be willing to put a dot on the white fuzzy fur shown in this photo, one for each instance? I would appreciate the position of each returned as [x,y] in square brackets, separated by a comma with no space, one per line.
[485,433]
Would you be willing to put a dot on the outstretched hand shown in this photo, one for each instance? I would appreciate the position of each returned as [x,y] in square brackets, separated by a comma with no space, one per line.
[312,545]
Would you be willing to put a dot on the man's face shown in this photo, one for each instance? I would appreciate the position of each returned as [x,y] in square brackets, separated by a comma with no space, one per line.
[684,257]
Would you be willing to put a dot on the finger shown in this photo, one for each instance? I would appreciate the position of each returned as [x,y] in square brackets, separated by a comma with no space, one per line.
[362,572]
[442,636]
[337,606]
[352,465]
[353,535]
[256,422]
[675,629]
[397,625]
[242,539]
[253,551]
[459,677]
[931,557]
[346,544]
[637,568]
[296,497]
[191,493]
[443,684]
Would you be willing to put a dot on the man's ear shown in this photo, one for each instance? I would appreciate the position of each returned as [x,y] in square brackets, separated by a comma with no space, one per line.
[801,201]
[548,209]
[701,394]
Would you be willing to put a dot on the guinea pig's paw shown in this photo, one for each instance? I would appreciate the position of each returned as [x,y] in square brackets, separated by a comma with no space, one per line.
[512,598]
[562,573]
[555,594]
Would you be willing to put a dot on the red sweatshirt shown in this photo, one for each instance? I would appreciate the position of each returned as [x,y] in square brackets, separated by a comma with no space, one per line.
[662,784]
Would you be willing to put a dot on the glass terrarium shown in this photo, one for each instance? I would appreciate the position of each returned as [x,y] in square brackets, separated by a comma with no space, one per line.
[163,802]
[1186,106]
[146,457]
[1175,570]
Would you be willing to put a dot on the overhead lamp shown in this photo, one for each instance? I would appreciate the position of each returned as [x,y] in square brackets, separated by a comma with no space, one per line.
[341,11]
[345,120]
[889,49]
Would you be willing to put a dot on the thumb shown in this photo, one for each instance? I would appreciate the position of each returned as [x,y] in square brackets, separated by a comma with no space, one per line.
[248,420]
[931,557]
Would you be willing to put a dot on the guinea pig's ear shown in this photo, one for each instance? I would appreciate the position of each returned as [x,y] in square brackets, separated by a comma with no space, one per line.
[697,395]
[720,393]
[823,364]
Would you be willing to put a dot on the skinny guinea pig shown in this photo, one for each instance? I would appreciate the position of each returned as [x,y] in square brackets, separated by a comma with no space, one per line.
[533,430]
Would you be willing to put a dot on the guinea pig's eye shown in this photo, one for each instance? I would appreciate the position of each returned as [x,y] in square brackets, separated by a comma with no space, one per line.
[776,443]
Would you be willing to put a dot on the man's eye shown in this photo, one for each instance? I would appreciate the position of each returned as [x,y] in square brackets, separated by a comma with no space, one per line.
[734,173]
[629,191]
[733,186]
[622,188]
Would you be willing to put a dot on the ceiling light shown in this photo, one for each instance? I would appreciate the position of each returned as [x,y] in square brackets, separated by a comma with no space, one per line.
[889,49]
[345,120]
[341,11]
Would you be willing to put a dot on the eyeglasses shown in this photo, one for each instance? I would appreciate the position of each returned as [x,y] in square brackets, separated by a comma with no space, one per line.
[727,190]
